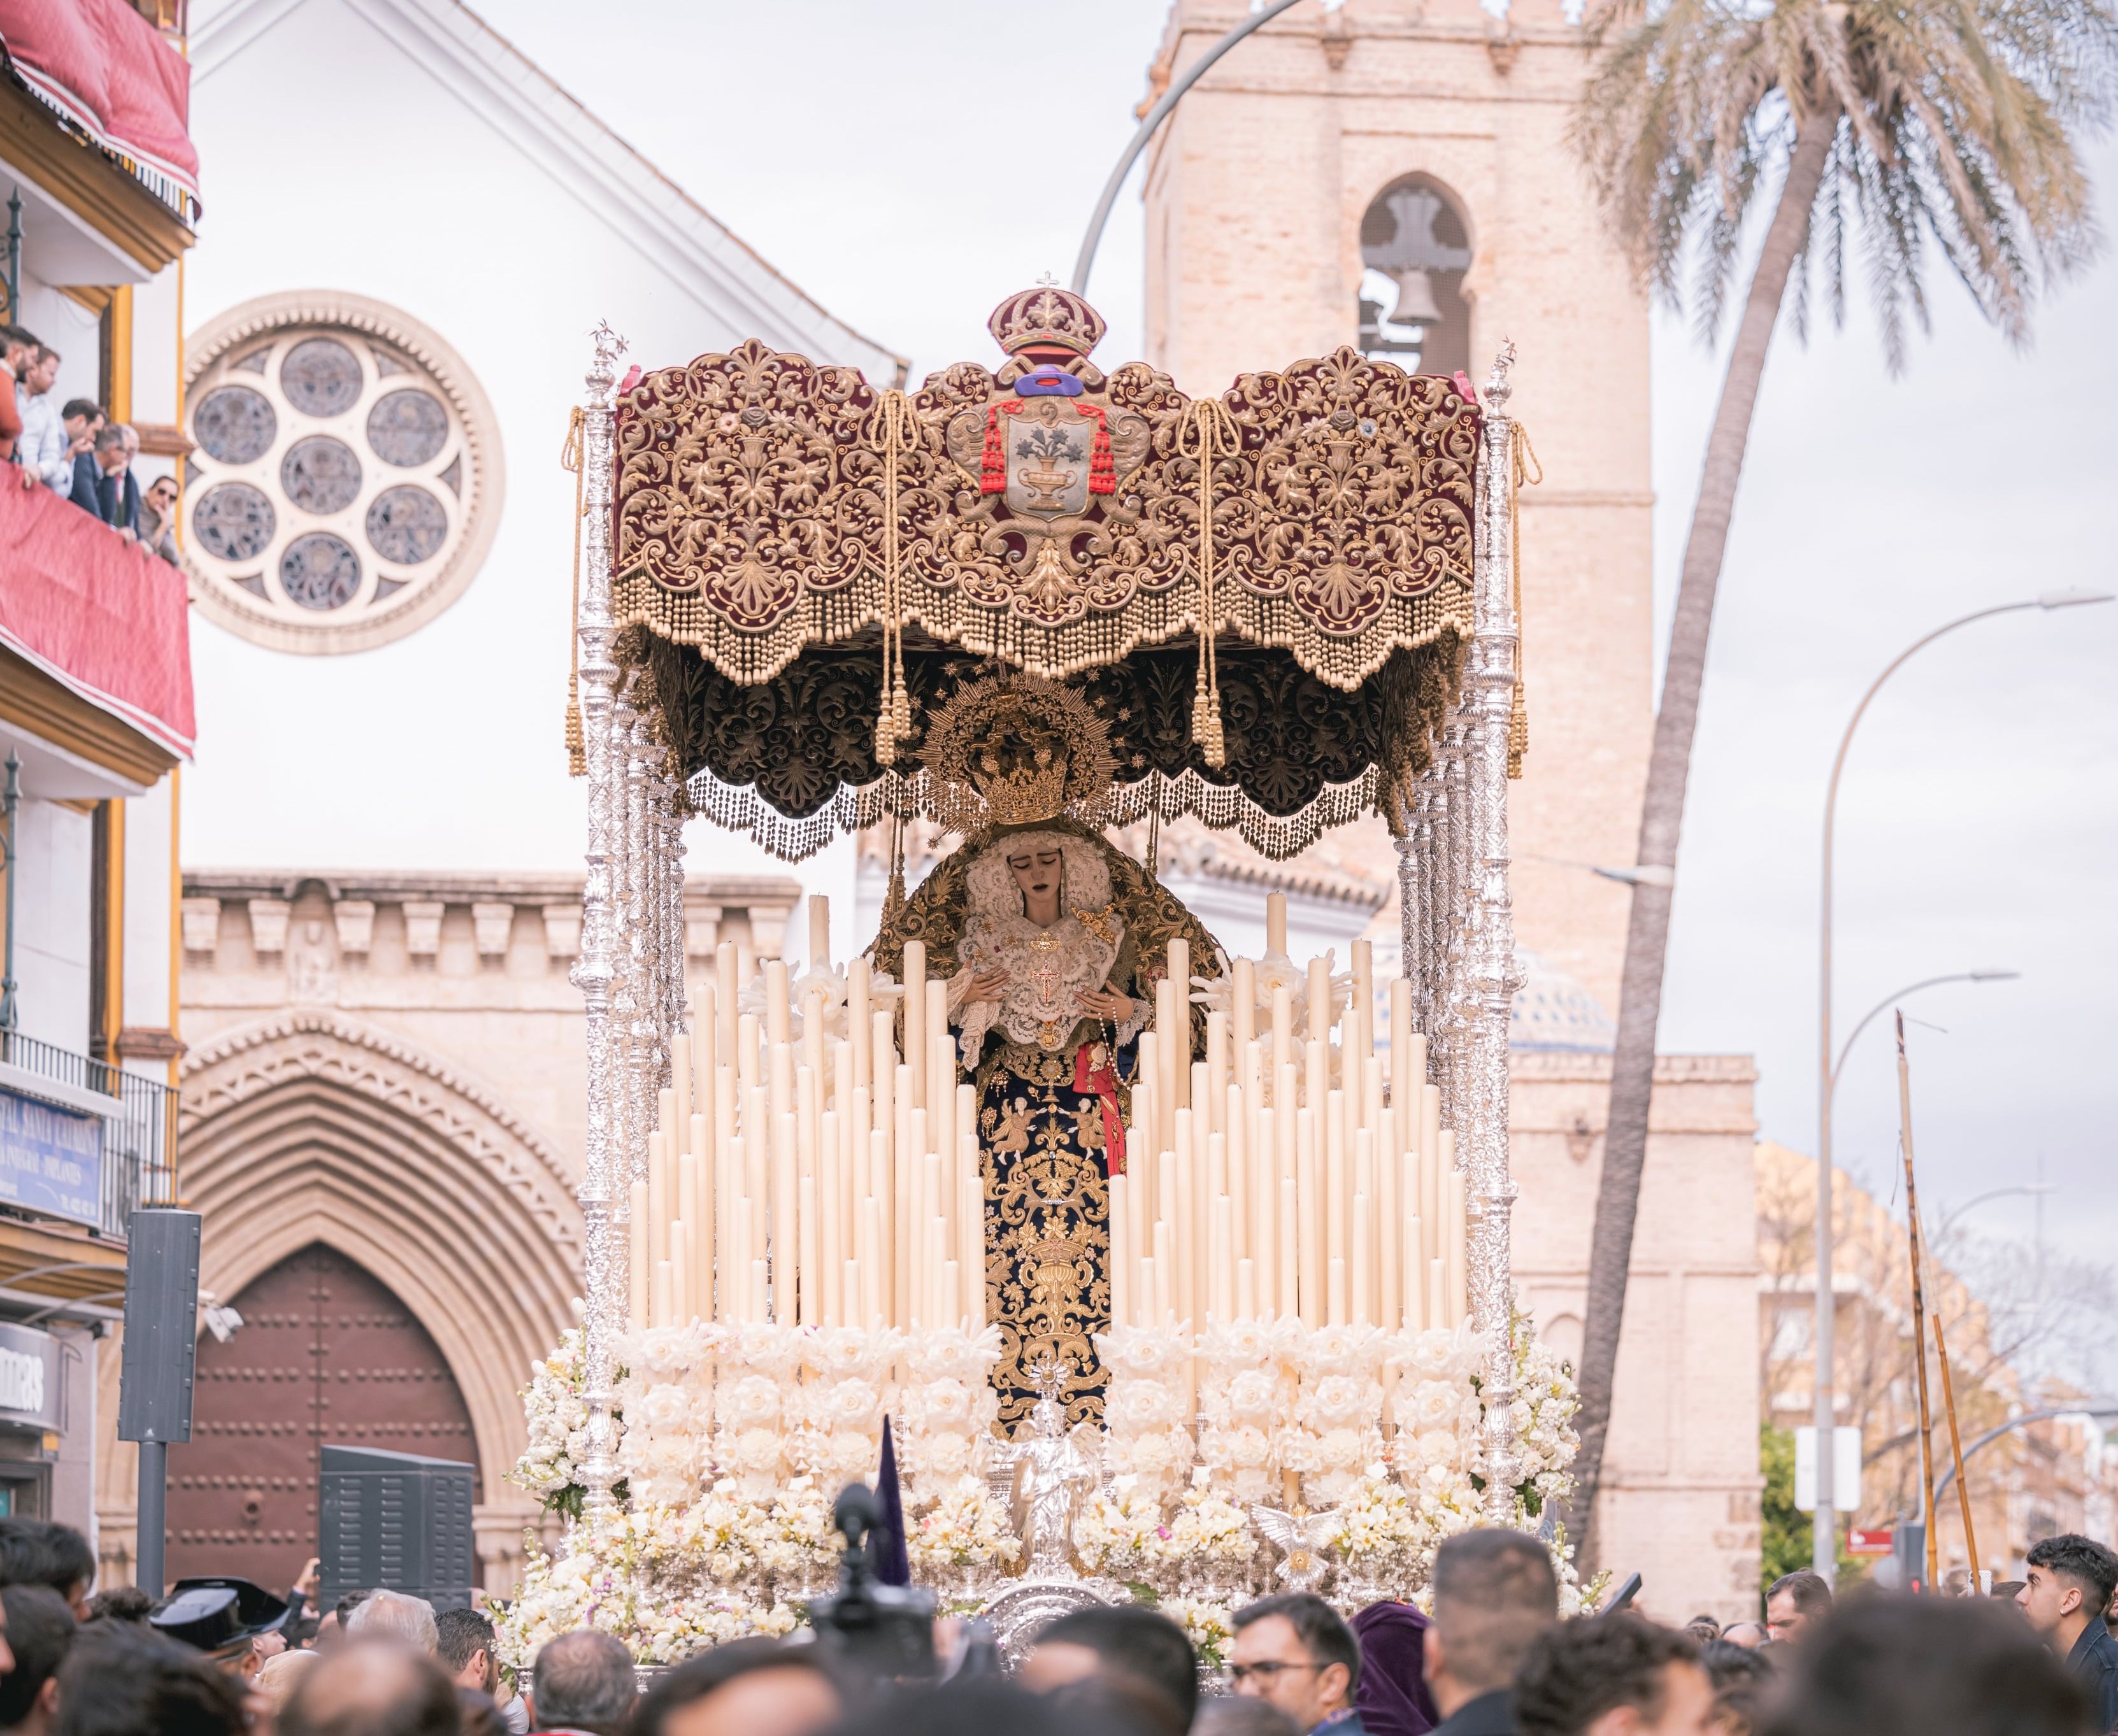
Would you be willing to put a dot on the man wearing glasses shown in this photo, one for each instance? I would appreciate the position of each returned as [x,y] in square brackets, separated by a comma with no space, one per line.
[1295,1652]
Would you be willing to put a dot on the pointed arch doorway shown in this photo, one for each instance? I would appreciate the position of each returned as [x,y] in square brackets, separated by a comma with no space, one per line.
[326,1353]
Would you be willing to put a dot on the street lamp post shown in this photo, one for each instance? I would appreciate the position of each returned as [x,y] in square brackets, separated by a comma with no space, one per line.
[1824,1536]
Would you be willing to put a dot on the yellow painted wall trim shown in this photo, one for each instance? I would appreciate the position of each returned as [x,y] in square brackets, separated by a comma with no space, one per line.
[36,702]
[121,353]
[112,915]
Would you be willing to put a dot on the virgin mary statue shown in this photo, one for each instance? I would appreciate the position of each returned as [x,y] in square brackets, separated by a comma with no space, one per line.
[1052,941]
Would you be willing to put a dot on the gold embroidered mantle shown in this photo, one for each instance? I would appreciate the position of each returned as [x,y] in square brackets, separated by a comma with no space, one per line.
[750,520]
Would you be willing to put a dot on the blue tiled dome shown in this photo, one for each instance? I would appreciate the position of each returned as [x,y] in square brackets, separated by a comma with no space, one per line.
[1554,1013]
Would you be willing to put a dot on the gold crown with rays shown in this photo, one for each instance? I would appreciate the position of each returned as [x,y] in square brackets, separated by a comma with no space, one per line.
[1016,749]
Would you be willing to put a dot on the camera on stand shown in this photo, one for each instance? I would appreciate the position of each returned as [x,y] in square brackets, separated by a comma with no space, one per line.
[882,1632]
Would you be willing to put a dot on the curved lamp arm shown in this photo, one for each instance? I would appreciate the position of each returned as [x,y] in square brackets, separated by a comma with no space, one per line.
[1155,116]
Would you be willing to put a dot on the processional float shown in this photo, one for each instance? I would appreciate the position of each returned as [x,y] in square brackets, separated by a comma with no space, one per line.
[1154,1258]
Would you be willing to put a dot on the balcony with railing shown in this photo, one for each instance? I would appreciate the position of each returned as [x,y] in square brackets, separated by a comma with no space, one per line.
[81,1141]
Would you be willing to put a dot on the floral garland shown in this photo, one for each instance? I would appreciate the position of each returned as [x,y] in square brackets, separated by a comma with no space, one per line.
[949,1410]
[1144,1404]
[558,1419]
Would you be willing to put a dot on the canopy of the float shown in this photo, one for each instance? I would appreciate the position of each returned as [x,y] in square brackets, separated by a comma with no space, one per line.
[806,565]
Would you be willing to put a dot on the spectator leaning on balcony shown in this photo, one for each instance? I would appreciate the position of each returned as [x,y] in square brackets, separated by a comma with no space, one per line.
[16,347]
[117,495]
[81,418]
[42,450]
[158,519]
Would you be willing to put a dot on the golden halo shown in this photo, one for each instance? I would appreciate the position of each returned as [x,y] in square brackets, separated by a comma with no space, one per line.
[1016,749]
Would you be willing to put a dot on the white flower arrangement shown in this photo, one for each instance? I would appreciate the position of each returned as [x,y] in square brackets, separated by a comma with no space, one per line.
[558,1419]
[1208,1622]
[1377,1525]
[965,1529]
[1244,1391]
[949,1409]
[1336,1426]
[1207,1530]
[1119,1531]
[1144,1403]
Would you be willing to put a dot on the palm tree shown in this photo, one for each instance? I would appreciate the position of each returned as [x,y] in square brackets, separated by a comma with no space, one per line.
[1924,127]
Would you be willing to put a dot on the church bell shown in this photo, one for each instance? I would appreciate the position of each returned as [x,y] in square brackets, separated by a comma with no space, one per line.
[1416,305]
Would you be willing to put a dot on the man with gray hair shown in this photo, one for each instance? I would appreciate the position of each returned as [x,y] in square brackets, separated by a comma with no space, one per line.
[1494,1593]
[395,1616]
[583,1682]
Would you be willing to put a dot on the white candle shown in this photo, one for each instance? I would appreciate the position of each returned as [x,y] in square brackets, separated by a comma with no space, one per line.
[679,1261]
[777,1020]
[1309,1192]
[1320,1001]
[1415,1285]
[1190,1253]
[1459,1236]
[689,1205]
[1283,1042]
[1243,986]
[727,988]
[860,982]
[662,1297]
[1335,1302]
[1120,1250]
[1363,1275]
[831,1223]
[1275,923]
[680,1088]
[915,1018]
[820,931]
[1224,1262]
[1147,1316]
[1165,1258]
[1288,1259]
[809,1274]
[1337,1192]
[1264,1230]
[1437,1294]
[1246,1290]
[1216,1105]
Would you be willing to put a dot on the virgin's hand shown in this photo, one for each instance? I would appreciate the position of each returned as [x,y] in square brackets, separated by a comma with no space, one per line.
[1107,1003]
[989,985]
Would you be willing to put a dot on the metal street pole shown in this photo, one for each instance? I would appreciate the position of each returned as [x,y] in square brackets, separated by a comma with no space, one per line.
[1824,1535]
[1156,116]
[1889,1001]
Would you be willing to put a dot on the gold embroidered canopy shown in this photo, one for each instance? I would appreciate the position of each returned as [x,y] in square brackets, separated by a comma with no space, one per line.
[807,564]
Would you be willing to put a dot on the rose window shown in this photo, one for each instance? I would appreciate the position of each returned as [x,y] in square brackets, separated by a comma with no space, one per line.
[345,476]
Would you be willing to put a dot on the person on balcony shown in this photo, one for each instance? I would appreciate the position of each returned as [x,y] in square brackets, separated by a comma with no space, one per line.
[80,418]
[16,347]
[117,495]
[158,519]
[43,448]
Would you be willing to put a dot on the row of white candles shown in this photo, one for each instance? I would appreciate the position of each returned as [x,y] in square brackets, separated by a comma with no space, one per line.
[1285,1175]
[830,1182]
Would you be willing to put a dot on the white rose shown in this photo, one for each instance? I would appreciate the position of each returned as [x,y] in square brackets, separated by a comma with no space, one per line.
[665,1407]
[1251,1392]
[945,1404]
[1341,1448]
[946,1454]
[757,1449]
[751,1402]
[1337,1398]
[1435,1404]
[849,1404]
[1249,1448]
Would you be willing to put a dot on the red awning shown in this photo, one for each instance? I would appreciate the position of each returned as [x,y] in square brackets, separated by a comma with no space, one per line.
[109,74]
[96,612]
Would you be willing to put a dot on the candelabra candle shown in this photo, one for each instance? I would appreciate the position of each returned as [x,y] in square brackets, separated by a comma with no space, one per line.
[915,1019]
[1283,1046]
[1216,1105]
[831,1225]
[1121,1246]
[860,991]
[1276,924]
[638,1253]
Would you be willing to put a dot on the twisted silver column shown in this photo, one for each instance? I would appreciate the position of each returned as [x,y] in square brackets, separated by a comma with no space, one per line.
[603,1276]
[1489,977]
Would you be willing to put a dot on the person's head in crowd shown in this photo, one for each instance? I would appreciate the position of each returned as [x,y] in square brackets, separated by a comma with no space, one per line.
[36,1552]
[43,372]
[81,417]
[1916,1666]
[120,1603]
[110,449]
[1795,1604]
[1616,1675]
[1748,1635]
[1121,1639]
[16,347]
[584,1681]
[1392,1696]
[1740,1675]
[1494,1593]
[2006,1590]
[2070,1581]
[1703,1629]
[376,1687]
[162,495]
[1296,1651]
[1241,1715]
[395,1615]
[747,1688]
[464,1643]
[276,1681]
[120,1680]
[130,436]
[40,1627]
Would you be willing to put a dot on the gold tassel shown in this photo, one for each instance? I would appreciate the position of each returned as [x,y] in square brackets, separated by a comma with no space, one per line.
[1211,427]
[577,751]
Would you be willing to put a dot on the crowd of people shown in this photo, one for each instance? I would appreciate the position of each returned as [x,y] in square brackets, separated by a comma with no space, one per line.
[1490,1657]
[75,450]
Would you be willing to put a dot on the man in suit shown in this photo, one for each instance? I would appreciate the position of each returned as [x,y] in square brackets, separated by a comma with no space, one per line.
[80,420]
[117,495]
[1494,1593]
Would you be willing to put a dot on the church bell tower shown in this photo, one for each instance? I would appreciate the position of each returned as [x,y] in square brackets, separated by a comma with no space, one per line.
[1394,175]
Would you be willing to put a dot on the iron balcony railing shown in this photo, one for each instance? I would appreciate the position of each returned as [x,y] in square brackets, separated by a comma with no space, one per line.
[139,1140]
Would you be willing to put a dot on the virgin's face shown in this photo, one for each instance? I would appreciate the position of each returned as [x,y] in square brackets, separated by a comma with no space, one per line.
[1036,872]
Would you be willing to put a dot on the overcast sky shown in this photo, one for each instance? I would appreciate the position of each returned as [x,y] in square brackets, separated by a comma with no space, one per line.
[852,144]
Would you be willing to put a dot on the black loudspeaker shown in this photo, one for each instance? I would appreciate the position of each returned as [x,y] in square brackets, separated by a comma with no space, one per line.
[393,1521]
[161,1327]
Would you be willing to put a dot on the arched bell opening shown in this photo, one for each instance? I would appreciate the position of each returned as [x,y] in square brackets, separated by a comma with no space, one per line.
[1415,250]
